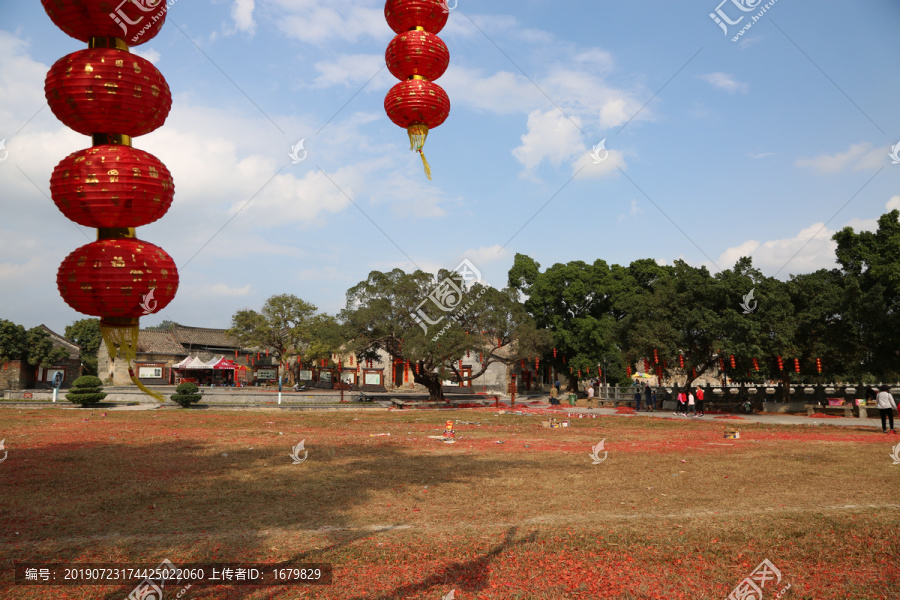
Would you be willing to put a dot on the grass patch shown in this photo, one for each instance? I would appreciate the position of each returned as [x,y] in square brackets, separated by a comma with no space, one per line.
[676,511]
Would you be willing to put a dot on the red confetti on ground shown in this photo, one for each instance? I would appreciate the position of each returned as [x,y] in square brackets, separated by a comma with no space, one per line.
[823,416]
[625,410]
[731,417]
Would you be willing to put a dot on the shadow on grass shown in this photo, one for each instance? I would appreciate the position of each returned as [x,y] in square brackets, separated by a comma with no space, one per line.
[140,502]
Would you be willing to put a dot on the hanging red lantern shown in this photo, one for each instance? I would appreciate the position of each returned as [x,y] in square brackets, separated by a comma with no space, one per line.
[417,53]
[780,364]
[819,365]
[693,372]
[797,365]
[467,354]
[112,186]
[118,279]
[732,361]
[655,356]
[579,373]
[628,370]
[554,353]
[417,368]
[664,363]
[351,360]
[133,22]
[680,361]
[755,365]
[722,364]
[403,15]
[499,342]
[105,90]
[537,361]
[646,366]
[416,57]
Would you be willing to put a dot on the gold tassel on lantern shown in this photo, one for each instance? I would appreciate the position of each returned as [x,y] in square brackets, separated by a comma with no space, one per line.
[121,338]
[417,135]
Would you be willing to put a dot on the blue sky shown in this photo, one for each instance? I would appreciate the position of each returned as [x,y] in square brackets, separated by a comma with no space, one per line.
[717,149]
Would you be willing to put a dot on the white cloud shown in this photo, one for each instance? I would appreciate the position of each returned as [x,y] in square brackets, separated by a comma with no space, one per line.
[811,249]
[551,137]
[147,53]
[725,81]
[352,70]
[893,203]
[857,157]
[222,289]
[759,155]
[242,13]
[311,22]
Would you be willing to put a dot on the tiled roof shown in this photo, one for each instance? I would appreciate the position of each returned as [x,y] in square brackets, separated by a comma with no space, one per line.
[194,337]
[159,342]
[71,347]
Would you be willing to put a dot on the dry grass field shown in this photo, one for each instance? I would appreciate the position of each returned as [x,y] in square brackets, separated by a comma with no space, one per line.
[511,510]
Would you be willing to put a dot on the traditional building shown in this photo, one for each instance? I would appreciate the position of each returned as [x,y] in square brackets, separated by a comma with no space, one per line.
[19,375]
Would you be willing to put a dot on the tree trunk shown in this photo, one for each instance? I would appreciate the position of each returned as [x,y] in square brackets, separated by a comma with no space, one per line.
[432,382]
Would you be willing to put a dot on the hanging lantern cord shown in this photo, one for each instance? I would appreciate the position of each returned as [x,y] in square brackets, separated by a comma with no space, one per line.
[417,135]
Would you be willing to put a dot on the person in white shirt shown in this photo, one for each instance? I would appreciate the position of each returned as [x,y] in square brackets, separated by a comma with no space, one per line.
[691,404]
[886,405]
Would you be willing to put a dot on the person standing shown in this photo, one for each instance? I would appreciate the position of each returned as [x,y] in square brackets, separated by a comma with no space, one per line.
[699,401]
[653,402]
[554,395]
[886,405]
[590,395]
[647,393]
[637,399]
[691,404]
[682,402]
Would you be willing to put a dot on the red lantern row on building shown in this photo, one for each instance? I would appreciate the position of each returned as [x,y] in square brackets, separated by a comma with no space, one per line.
[112,95]
[417,56]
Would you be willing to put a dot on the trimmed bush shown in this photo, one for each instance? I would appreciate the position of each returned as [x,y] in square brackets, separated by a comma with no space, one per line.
[87,389]
[186,394]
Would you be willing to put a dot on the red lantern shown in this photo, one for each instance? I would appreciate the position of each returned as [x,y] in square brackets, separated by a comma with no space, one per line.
[417,53]
[721,364]
[780,364]
[628,370]
[646,366]
[417,368]
[693,372]
[819,365]
[118,279]
[755,365]
[732,361]
[460,364]
[104,90]
[351,360]
[112,186]
[579,373]
[133,22]
[537,361]
[403,15]
[655,356]
[499,342]
[554,353]
[680,361]
[797,365]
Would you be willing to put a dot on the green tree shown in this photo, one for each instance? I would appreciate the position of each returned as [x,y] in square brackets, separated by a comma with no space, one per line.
[285,325]
[41,351]
[383,313]
[166,325]
[579,304]
[13,341]
[870,265]
[86,333]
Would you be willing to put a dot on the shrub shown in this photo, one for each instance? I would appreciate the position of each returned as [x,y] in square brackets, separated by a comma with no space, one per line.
[186,394]
[86,390]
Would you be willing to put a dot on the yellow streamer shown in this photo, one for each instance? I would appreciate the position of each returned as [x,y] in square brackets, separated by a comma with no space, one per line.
[121,338]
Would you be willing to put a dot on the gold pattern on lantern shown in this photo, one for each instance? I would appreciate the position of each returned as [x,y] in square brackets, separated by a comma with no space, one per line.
[135,172]
[111,87]
[88,68]
[154,89]
[153,172]
[137,91]
[117,262]
[137,274]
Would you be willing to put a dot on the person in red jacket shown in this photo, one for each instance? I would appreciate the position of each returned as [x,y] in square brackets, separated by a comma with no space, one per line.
[699,396]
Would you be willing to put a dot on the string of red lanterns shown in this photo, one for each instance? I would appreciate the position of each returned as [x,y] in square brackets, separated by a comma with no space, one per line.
[112,95]
[417,56]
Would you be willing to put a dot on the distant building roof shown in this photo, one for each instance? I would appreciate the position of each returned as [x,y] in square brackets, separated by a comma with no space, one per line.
[159,342]
[71,347]
[193,337]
